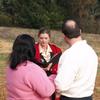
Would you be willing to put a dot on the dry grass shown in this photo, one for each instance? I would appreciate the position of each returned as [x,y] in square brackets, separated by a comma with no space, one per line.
[6,39]
[5,46]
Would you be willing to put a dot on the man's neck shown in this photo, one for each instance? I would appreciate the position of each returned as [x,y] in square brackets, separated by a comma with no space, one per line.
[74,40]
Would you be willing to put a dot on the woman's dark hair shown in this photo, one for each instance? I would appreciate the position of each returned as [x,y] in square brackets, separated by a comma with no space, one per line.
[23,49]
[44,30]
[69,31]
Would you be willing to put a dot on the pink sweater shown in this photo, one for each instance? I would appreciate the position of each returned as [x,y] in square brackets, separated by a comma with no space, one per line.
[29,82]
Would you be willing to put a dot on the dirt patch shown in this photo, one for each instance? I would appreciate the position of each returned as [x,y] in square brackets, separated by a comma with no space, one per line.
[5,46]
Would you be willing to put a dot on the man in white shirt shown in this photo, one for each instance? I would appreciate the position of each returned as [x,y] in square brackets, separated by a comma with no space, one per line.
[77,66]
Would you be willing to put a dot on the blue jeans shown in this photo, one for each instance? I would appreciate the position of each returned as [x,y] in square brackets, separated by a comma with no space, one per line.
[69,98]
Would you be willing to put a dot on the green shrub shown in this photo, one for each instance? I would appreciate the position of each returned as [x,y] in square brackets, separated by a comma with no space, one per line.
[5,20]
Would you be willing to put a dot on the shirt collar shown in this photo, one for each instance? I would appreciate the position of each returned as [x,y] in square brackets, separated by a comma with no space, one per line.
[47,50]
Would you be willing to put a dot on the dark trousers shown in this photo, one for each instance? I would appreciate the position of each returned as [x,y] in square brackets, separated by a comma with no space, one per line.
[53,96]
[68,98]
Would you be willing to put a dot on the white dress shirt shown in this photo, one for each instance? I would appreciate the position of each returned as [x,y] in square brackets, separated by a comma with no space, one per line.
[77,71]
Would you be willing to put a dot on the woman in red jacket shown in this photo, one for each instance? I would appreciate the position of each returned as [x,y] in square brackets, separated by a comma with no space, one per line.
[46,50]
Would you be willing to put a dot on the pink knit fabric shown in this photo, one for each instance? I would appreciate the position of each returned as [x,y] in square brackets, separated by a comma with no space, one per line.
[29,82]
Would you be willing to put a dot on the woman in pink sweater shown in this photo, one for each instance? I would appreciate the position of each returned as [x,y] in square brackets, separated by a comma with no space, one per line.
[25,79]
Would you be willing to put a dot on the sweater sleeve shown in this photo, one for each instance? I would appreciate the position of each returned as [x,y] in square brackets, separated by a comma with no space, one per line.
[40,82]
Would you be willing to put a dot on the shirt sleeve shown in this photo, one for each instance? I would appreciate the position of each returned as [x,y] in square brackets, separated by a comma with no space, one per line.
[66,73]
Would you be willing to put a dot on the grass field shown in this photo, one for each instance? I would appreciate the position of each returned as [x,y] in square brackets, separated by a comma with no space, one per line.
[7,35]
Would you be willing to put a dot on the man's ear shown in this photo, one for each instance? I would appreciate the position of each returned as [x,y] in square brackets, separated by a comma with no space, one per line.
[66,39]
[80,31]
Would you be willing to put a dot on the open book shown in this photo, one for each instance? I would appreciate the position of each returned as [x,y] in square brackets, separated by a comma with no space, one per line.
[54,60]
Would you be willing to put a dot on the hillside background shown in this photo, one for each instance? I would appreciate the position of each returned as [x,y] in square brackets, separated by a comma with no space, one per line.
[51,13]
[7,36]
[27,16]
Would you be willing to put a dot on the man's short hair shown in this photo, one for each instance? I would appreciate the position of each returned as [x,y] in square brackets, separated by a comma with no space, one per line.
[71,32]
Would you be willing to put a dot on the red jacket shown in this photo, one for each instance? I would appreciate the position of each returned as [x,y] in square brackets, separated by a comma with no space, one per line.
[55,50]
